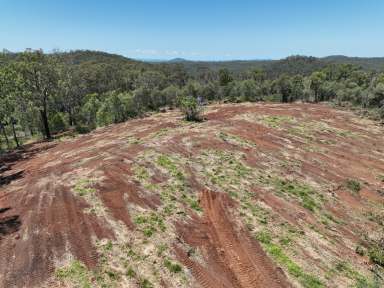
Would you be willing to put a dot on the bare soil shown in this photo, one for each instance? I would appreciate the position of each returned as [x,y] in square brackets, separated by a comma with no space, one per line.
[255,196]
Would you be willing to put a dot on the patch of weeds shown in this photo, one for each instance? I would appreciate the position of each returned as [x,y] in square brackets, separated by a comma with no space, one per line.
[256,211]
[166,162]
[76,273]
[130,273]
[353,185]
[285,241]
[380,178]
[145,283]
[376,217]
[276,121]
[233,194]
[193,203]
[141,172]
[360,280]
[360,250]
[161,132]
[236,140]
[161,249]
[292,187]
[134,140]
[277,253]
[332,218]
[328,141]
[376,254]
[172,267]
[84,187]
[225,168]
[150,223]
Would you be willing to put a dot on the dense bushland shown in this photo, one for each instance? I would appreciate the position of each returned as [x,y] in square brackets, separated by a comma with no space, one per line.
[45,94]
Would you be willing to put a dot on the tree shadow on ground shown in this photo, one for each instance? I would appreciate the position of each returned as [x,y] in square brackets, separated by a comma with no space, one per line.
[8,224]
[9,159]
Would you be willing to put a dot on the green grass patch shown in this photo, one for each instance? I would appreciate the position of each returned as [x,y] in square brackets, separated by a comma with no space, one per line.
[230,138]
[84,187]
[172,267]
[277,253]
[145,283]
[360,280]
[192,202]
[376,254]
[302,191]
[76,273]
[141,172]
[167,163]
[150,223]
[276,121]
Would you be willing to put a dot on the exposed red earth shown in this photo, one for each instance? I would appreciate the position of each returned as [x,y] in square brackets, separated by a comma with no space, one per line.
[258,195]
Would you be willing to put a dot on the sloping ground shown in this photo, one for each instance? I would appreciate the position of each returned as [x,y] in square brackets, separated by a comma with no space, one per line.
[259,195]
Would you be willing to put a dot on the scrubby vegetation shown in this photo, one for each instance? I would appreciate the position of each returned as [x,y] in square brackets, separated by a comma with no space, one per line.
[44,94]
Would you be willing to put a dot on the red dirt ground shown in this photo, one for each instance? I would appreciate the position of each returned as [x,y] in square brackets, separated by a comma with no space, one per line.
[43,222]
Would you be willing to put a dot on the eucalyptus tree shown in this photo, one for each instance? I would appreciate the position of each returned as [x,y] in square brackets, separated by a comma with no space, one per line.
[40,78]
[317,79]
[284,85]
[10,95]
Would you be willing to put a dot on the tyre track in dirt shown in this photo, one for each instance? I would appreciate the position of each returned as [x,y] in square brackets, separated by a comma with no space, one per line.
[241,258]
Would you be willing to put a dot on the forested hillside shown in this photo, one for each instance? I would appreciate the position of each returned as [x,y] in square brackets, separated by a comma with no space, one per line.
[45,94]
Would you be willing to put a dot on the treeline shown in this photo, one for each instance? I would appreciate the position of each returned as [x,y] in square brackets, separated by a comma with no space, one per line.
[45,94]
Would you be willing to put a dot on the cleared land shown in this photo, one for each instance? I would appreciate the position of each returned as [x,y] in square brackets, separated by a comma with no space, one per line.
[259,195]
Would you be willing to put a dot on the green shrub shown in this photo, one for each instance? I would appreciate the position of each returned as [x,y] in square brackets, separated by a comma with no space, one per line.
[172,267]
[58,123]
[130,273]
[353,185]
[82,129]
[376,254]
[191,108]
[360,250]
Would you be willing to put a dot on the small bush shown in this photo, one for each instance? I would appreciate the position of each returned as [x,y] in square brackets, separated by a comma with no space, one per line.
[360,250]
[82,129]
[58,123]
[376,254]
[172,267]
[353,185]
[130,273]
[144,283]
[191,108]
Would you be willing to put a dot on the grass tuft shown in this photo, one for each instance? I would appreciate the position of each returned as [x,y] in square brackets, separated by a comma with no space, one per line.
[353,185]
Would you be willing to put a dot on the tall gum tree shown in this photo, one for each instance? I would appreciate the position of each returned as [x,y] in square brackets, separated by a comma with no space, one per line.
[41,78]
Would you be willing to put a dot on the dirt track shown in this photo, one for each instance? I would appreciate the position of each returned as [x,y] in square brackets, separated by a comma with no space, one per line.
[235,260]
[253,155]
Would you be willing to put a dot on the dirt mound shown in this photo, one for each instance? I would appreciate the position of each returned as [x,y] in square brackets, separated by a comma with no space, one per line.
[299,189]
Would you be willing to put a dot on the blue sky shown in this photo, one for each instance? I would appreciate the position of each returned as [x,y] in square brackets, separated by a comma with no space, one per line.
[196,29]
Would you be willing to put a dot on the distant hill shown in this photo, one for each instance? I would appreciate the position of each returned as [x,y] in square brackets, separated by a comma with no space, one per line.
[369,63]
[290,65]
[178,60]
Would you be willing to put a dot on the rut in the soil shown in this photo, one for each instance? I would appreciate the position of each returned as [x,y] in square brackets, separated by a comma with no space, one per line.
[231,250]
